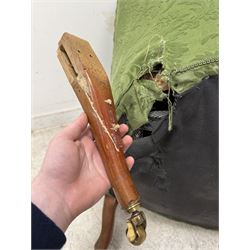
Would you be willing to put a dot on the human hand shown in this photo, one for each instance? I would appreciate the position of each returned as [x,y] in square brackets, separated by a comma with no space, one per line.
[72,177]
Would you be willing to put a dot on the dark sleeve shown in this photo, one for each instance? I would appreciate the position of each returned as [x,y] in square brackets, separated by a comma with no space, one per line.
[45,233]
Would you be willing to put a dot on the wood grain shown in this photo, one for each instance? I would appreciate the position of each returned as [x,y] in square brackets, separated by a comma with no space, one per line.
[91,86]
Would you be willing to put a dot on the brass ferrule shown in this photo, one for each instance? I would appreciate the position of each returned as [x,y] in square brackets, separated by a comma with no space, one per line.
[135,206]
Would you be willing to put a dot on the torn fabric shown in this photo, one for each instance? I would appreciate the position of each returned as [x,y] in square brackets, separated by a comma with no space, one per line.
[180,35]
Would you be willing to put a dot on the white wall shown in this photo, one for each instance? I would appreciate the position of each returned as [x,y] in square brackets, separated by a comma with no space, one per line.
[53,100]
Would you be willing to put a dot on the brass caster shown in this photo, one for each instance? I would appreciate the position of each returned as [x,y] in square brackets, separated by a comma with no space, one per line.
[136,226]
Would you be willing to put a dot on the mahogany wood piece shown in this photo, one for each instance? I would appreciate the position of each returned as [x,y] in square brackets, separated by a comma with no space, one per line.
[91,85]
[108,218]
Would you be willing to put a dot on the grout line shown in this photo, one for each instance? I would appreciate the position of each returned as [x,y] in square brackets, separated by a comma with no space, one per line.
[54,119]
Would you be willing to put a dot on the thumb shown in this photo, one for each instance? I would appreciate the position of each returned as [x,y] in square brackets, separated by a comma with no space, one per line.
[75,129]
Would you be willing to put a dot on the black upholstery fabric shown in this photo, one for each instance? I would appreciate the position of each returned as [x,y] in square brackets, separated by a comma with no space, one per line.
[176,173]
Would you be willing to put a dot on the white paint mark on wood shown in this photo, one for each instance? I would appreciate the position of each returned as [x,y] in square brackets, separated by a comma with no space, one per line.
[83,84]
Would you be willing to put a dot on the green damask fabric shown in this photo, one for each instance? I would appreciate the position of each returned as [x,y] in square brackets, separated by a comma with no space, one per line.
[182,35]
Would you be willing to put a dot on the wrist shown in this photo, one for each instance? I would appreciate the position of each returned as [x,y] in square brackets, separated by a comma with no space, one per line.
[49,199]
